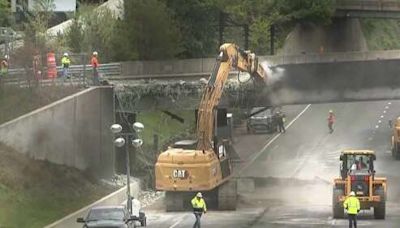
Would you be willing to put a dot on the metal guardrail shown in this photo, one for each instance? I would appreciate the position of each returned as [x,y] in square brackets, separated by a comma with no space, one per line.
[79,74]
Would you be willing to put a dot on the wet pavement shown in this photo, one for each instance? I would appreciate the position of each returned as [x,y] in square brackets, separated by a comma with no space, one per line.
[293,172]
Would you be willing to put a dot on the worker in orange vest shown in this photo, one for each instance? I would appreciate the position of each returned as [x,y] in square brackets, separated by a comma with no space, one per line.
[331,121]
[95,64]
[4,66]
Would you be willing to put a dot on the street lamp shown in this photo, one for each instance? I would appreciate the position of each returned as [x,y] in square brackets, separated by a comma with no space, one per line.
[120,142]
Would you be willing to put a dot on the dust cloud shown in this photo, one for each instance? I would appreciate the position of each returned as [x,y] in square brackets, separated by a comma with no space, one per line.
[290,191]
[273,74]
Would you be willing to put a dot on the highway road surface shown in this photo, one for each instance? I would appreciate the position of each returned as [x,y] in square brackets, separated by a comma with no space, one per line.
[293,172]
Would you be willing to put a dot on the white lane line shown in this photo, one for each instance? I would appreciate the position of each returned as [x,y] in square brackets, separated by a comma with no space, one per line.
[177,222]
[273,139]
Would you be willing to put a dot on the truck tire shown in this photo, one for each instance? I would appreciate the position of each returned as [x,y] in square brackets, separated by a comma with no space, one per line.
[227,195]
[174,201]
[337,206]
[380,209]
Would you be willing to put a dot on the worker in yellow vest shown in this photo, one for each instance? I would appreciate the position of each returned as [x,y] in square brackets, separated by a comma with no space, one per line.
[352,205]
[199,207]
[65,61]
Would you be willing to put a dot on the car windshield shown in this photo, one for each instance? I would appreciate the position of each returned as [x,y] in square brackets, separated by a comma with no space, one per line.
[106,214]
[264,113]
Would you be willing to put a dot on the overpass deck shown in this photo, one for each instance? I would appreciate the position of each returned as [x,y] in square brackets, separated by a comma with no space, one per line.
[368,8]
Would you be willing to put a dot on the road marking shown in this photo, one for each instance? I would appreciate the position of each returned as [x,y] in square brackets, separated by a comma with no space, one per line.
[381,116]
[389,103]
[273,139]
[384,111]
[177,222]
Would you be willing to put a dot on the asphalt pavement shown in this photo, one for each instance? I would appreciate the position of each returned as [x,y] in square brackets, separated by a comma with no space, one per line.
[293,171]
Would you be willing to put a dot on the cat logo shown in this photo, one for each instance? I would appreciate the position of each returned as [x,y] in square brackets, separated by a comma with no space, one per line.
[180,174]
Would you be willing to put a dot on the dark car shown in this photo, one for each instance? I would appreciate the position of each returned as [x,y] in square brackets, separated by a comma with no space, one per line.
[108,216]
[262,120]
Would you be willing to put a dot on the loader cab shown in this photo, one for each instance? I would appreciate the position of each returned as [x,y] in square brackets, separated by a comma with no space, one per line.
[355,162]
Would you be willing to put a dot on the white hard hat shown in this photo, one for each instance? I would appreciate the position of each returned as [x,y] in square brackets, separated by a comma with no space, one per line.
[6,56]
[352,193]
[65,54]
[95,53]
[199,195]
[330,111]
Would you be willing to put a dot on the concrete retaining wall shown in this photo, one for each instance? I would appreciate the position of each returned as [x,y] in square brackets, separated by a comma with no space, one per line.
[115,198]
[73,131]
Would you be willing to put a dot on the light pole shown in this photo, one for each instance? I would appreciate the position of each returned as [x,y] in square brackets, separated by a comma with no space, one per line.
[120,142]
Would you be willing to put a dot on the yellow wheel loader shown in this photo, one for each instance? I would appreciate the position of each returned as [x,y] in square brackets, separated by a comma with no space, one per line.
[358,175]
[396,139]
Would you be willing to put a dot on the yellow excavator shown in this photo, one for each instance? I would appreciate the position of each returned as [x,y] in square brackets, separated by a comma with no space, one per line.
[204,164]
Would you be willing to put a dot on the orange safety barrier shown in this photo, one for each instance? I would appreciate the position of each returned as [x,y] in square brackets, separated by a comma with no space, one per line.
[51,65]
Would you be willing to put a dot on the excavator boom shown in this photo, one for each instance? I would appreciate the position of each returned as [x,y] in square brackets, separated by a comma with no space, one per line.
[230,56]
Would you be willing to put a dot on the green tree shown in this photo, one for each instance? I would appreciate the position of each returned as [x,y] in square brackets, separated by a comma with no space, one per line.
[4,12]
[92,29]
[261,14]
[74,36]
[198,23]
[147,32]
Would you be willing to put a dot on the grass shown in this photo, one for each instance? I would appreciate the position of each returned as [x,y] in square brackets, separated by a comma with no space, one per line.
[165,126]
[36,193]
[381,34]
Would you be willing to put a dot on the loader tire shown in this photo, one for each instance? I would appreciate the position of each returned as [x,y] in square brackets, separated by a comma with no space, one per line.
[174,201]
[227,195]
[380,209]
[337,206]
[396,152]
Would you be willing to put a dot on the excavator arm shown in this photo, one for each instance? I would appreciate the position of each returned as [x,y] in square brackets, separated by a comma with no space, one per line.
[230,57]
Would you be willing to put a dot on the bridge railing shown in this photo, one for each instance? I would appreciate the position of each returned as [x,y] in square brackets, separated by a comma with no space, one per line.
[331,57]
[372,5]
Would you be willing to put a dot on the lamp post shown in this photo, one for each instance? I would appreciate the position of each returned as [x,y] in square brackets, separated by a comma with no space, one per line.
[120,142]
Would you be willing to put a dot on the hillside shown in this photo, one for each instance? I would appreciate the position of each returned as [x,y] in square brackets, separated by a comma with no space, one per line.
[381,34]
[35,193]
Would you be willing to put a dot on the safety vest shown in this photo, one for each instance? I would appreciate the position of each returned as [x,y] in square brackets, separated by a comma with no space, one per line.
[352,205]
[3,67]
[65,61]
[94,62]
[199,204]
